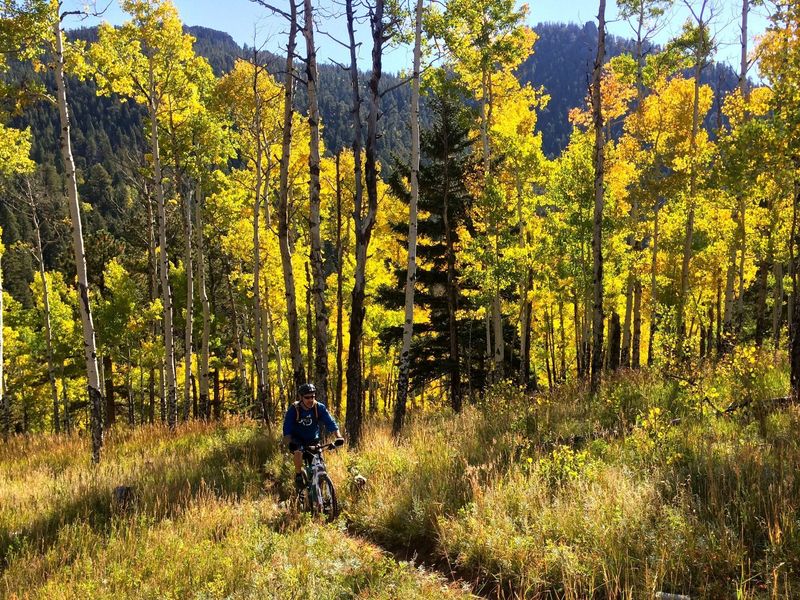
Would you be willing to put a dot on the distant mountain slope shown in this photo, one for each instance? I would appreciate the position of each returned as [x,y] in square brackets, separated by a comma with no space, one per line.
[561,64]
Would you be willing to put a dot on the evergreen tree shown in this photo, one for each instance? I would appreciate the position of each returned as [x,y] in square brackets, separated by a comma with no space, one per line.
[449,342]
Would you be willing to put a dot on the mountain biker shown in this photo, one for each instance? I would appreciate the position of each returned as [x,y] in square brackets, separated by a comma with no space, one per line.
[301,427]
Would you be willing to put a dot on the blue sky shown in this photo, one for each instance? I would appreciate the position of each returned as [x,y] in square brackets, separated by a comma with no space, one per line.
[247,21]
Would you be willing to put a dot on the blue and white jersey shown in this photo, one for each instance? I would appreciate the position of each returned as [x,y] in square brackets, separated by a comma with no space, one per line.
[302,424]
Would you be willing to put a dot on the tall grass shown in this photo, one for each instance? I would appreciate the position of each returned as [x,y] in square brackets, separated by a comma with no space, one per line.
[645,487]
[216,549]
[206,522]
[638,490]
[49,482]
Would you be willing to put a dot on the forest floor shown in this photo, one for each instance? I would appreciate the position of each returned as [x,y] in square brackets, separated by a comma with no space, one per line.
[648,487]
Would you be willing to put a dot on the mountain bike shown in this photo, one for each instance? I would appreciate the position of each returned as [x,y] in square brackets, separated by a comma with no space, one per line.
[318,497]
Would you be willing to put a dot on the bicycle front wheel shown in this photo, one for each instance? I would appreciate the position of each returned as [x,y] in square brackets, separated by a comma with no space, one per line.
[328,502]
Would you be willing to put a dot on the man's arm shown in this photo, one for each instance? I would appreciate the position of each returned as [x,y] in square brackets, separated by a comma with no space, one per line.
[288,426]
[328,421]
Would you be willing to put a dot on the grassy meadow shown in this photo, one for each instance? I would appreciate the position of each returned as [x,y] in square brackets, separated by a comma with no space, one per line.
[647,488]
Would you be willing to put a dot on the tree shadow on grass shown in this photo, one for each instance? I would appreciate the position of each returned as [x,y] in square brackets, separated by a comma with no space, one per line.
[159,491]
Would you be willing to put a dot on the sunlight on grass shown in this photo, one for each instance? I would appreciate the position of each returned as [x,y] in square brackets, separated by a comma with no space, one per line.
[644,488]
[216,549]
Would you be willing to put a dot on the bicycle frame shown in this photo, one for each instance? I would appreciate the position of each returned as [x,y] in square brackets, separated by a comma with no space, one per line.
[314,469]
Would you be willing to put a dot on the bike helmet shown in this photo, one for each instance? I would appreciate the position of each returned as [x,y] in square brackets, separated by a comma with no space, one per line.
[306,388]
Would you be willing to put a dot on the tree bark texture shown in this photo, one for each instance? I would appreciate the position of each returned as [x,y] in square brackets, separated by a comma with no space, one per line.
[259,350]
[599,188]
[204,407]
[188,263]
[411,274]
[298,371]
[90,347]
[317,269]
[339,291]
[363,222]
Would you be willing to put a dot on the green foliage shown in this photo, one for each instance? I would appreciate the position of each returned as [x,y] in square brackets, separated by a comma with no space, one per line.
[562,465]
[15,150]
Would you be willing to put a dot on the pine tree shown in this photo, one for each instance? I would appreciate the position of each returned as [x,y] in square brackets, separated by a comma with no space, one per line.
[447,163]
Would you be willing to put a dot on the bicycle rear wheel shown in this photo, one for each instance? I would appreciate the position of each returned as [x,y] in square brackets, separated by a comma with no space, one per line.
[330,506]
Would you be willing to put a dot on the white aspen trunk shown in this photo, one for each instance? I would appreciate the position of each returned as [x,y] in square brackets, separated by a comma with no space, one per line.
[547,365]
[411,275]
[283,209]
[187,341]
[90,348]
[353,404]
[163,261]
[152,264]
[689,235]
[51,376]
[744,88]
[257,315]
[339,291]
[162,390]
[599,165]
[201,272]
[635,352]
[268,403]
[309,322]
[318,289]
[497,326]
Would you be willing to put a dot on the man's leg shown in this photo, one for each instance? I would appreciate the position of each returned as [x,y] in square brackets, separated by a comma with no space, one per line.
[299,476]
[298,461]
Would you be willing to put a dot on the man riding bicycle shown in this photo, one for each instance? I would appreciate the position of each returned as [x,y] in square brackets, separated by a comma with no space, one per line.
[301,427]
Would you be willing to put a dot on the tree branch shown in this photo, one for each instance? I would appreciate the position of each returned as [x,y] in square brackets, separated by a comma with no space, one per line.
[274,9]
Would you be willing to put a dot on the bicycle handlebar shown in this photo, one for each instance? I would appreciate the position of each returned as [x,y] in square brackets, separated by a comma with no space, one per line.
[329,446]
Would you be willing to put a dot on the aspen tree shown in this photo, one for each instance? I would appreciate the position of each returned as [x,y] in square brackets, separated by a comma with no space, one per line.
[701,46]
[151,60]
[90,347]
[599,190]
[318,289]
[411,276]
